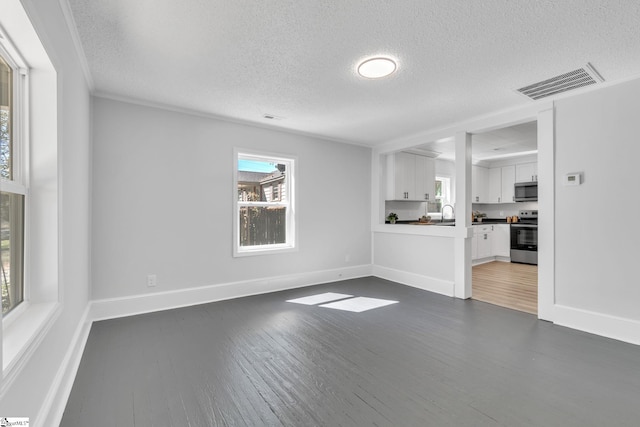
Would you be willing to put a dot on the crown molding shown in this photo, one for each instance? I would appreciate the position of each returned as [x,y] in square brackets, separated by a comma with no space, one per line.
[203,114]
[77,44]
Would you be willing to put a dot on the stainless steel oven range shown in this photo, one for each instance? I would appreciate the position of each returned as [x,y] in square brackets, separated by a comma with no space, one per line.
[524,238]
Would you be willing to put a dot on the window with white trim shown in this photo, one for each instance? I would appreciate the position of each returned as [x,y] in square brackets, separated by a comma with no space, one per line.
[264,210]
[443,190]
[14,190]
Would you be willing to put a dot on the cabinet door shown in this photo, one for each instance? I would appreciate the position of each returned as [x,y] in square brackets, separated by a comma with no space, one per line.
[474,247]
[484,244]
[508,180]
[425,178]
[501,240]
[527,172]
[479,184]
[404,170]
[495,185]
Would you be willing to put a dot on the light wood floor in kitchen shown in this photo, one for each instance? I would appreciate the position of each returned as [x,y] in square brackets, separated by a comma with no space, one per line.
[507,284]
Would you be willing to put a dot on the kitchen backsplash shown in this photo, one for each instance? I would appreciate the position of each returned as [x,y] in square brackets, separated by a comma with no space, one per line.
[414,210]
[405,210]
[502,210]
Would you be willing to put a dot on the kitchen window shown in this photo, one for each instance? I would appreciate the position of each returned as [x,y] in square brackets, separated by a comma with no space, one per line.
[264,218]
[443,190]
[12,196]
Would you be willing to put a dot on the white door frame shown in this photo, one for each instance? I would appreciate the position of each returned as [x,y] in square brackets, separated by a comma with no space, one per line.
[546,210]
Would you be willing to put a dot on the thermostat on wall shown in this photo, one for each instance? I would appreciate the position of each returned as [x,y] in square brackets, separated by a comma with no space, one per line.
[574,178]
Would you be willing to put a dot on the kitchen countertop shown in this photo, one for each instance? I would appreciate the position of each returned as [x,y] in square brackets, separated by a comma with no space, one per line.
[451,222]
[417,222]
[491,221]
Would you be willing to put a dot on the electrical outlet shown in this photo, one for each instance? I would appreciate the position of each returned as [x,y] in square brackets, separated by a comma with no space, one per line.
[501,213]
[347,258]
[152,280]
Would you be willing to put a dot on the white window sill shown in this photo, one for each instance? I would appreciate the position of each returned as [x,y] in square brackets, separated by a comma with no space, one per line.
[272,250]
[23,334]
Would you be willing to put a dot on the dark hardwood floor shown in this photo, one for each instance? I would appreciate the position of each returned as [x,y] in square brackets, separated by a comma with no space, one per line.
[428,360]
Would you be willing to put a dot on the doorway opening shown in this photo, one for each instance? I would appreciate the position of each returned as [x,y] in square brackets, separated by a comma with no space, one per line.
[504,244]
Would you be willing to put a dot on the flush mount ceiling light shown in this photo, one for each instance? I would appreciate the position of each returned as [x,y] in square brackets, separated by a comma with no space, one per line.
[375,68]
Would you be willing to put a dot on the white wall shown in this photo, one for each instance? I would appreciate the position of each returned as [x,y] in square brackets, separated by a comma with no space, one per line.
[28,395]
[426,262]
[406,211]
[162,201]
[597,235]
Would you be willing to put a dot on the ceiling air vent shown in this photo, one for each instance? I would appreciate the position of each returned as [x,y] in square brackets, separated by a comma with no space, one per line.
[563,83]
[272,117]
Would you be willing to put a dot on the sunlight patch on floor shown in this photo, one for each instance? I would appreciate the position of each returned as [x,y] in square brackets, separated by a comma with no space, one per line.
[319,298]
[359,304]
[343,302]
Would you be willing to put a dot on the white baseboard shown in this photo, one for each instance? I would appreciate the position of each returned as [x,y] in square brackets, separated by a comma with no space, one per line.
[52,409]
[490,259]
[618,328]
[426,283]
[147,303]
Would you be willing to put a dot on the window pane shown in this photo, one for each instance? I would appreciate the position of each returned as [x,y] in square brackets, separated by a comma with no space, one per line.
[6,85]
[12,239]
[257,179]
[262,225]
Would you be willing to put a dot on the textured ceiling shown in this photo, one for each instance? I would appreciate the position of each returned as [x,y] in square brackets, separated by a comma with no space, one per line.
[296,59]
[497,144]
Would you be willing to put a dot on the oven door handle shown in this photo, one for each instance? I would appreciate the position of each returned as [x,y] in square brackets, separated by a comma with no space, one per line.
[524,225]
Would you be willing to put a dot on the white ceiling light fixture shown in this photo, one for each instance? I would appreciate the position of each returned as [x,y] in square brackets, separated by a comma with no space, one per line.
[378,67]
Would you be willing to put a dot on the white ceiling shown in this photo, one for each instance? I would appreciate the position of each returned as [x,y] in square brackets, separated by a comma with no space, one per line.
[512,141]
[296,58]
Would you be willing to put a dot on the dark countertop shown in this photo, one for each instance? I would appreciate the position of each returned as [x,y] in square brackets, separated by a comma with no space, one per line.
[491,221]
[449,221]
[413,221]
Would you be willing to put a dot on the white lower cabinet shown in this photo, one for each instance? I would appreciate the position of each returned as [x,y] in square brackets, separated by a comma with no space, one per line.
[484,242]
[501,240]
[491,240]
[481,241]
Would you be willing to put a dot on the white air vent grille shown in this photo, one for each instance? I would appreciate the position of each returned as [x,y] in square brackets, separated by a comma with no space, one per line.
[563,83]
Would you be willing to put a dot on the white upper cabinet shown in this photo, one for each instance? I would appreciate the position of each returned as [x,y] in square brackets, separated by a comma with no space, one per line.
[527,172]
[425,178]
[479,184]
[508,181]
[410,177]
[403,170]
[501,181]
[495,185]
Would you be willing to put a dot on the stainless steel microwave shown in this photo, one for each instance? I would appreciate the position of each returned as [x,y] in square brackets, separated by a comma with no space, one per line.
[526,191]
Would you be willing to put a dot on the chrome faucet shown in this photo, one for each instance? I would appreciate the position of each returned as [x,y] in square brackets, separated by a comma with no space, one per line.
[442,212]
